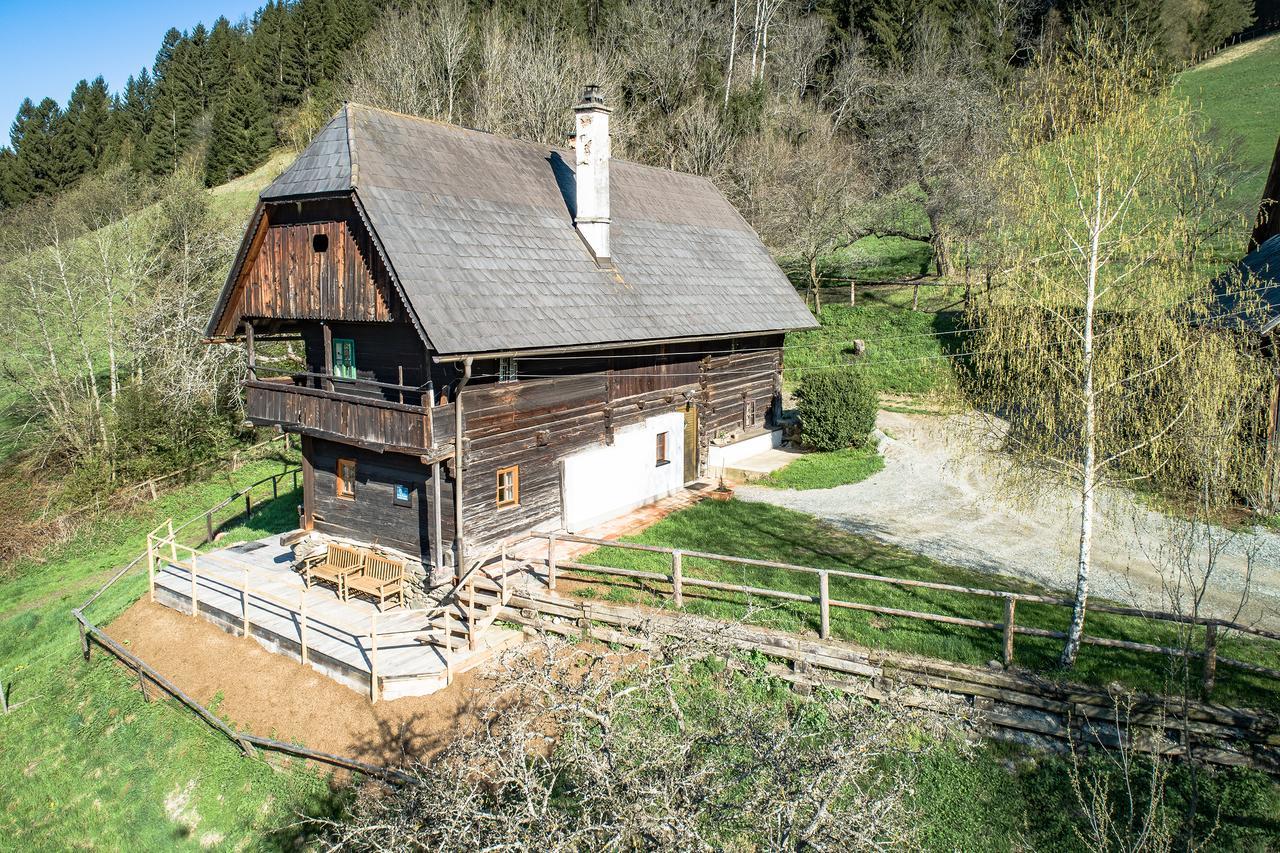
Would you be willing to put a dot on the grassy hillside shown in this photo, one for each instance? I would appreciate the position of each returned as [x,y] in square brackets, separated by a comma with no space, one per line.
[87,762]
[1239,91]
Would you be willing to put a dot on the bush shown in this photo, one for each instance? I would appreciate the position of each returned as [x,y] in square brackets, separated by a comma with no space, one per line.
[837,409]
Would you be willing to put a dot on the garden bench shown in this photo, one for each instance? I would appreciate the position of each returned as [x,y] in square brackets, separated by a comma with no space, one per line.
[380,576]
[337,565]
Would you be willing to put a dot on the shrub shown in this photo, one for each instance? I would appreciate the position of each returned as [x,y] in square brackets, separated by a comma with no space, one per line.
[837,409]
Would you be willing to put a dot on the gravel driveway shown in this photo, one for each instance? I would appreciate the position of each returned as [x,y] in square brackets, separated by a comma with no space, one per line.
[940,497]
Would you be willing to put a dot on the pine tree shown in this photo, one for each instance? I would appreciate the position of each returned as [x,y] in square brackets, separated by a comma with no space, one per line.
[177,105]
[37,167]
[275,55]
[313,23]
[84,129]
[137,115]
[889,29]
[225,57]
[241,134]
[8,197]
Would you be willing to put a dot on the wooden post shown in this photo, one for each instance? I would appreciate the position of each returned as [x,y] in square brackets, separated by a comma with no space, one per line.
[400,374]
[551,562]
[208,526]
[151,566]
[248,506]
[248,343]
[195,607]
[328,356]
[275,488]
[84,640]
[173,543]
[471,616]
[373,657]
[244,605]
[824,605]
[1210,667]
[448,651]
[4,698]
[1010,603]
[677,578]
[302,625]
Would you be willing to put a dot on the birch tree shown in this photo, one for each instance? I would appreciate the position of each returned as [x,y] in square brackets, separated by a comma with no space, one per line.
[1092,349]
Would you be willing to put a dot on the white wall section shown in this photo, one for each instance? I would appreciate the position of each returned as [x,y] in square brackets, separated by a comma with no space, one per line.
[603,482]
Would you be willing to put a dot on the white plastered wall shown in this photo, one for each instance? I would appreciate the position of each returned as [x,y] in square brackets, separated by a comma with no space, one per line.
[603,482]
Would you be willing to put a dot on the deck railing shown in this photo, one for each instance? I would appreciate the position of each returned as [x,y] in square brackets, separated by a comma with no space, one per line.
[344,415]
[679,581]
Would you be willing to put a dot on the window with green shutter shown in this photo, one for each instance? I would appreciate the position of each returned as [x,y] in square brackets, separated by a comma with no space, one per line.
[344,358]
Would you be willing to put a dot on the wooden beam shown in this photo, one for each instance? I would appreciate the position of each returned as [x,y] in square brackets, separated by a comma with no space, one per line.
[328,354]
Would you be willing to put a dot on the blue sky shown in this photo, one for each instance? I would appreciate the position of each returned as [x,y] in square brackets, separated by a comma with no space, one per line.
[48,45]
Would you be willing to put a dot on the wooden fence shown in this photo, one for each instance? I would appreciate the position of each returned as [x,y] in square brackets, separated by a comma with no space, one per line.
[823,600]
[1014,706]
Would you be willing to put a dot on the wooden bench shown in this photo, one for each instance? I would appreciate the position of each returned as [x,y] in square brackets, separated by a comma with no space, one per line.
[380,576]
[337,566]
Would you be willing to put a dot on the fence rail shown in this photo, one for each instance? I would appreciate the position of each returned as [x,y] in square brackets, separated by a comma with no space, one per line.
[679,580]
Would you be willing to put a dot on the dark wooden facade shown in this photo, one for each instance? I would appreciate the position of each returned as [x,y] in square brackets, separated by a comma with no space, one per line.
[395,417]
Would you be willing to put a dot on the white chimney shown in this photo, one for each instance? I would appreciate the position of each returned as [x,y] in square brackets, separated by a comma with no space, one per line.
[591,142]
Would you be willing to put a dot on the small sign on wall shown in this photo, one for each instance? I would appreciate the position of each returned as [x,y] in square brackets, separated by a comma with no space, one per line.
[403,494]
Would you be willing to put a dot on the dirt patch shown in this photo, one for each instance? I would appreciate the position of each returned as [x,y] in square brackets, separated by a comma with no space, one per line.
[273,696]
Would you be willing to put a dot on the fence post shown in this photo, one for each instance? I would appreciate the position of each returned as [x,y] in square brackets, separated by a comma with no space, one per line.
[302,625]
[677,578]
[373,657]
[84,640]
[1209,670]
[471,616]
[208,526]
[275,488]
[195,607]
[551,562]
[248,506]
[151,566]
[1010,603]
[824,604]
[244,605]
[173,543]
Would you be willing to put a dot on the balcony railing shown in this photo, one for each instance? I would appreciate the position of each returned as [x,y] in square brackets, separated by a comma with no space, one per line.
[354,412]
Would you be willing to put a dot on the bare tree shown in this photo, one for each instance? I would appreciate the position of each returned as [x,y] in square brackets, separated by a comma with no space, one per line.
[680,746]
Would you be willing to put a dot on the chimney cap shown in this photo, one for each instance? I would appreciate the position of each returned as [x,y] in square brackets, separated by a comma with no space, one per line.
[592,98]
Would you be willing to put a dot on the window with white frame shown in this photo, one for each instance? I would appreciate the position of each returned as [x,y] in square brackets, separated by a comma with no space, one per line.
[507,371]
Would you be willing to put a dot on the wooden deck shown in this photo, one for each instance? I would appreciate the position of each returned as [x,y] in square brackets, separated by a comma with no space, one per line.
[337,633]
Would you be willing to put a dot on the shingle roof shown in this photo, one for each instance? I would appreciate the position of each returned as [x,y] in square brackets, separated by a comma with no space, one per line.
[478,230]
[1258,277]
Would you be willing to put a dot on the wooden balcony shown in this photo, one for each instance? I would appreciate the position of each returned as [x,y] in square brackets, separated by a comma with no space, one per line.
[353,413]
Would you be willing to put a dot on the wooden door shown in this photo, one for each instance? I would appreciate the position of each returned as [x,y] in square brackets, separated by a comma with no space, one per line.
[690,443]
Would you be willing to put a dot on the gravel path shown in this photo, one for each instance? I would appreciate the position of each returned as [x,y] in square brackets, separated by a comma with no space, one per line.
[939,497]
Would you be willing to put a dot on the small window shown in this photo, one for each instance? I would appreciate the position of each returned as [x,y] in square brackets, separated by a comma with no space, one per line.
[320,243]
[660,449]
[507,370]
[403,494]
[344,358]
[509,486]
[347,479]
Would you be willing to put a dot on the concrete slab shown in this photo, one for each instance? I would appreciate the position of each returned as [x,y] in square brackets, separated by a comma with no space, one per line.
[761,464]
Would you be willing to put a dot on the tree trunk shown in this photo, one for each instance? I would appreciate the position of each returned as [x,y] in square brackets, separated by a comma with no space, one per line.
[817,291]
[1089,473]
[733,48]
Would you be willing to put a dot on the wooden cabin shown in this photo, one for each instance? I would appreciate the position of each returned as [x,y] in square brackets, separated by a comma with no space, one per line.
[501,336]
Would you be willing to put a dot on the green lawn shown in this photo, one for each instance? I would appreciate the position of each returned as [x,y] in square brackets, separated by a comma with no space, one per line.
[772,533]
[1241,98]
[907,352]
[827,470]
[87,763]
